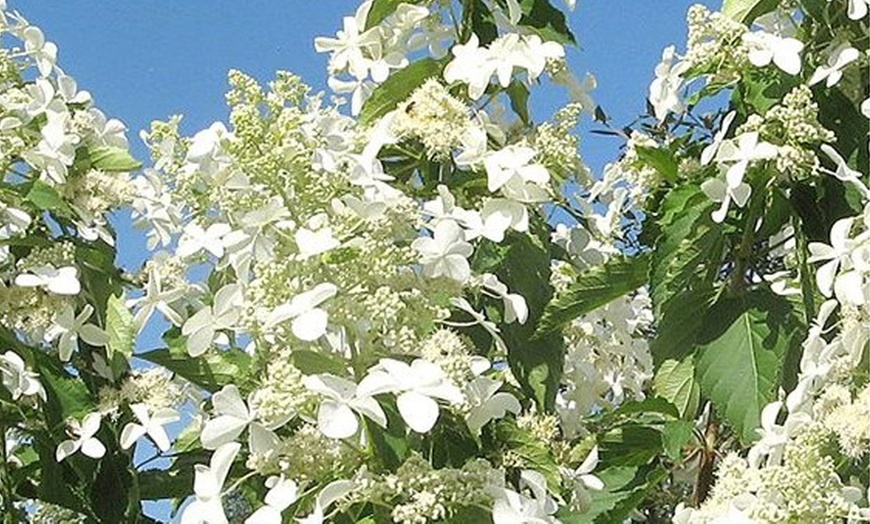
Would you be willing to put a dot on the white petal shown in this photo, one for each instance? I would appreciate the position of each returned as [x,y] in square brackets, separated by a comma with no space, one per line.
[310,325]
[221,431]
[418,411]
[65,449]
[130,434]
[93,448]
[336,420]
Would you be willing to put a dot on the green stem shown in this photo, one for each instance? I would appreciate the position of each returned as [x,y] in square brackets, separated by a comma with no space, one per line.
[7,493]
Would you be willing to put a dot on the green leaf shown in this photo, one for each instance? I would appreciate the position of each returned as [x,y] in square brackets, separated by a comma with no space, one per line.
[313,362]
[675,435]
[661,159]
[211,371]
[675,381]
[688,251]
[616,481]
[45,197]
[111,158]
[166,484]
[397,88]
[747,10]
[519,97]
[677,332]
[739,359]
[595,288]
[119,327]
[534,453]
[478,19]
[522,262]
[547,21]
[67,396]
[382,9]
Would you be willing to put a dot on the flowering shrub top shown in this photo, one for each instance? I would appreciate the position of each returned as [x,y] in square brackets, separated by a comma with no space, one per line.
[414,304]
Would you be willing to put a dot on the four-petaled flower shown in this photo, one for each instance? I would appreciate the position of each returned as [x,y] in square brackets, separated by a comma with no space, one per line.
[150,424]
[84,438]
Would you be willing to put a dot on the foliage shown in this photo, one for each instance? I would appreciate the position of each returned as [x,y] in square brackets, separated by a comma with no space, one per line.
[375,315]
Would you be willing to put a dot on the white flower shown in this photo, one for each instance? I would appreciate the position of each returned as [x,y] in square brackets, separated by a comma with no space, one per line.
[839,58]
[313,243]
[60,281]
[84,438]
[479,319]
[774,437]
[515,508]
[282,493]
[156,298]
[196,239]
[150,424]
[43,53]
[719,191]
[665,90]
[446,253]
[515,307]
[740,152]
[500,214]
[471,65]
[207,485]
[309,321]
[835,253]
[205,153]
[416,385]
[582,480]
[70,327]
[348,46]
[844,172]
[766,47]
[360,91]
[710,151]
[335,416]
[17,378]
[513,163]
[333,491]
[487,403]
[233,417]
[202,328]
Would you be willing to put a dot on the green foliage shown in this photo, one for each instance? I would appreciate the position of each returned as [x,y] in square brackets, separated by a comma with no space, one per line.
[211,371]
[740,355]
[547,21]
[747,10]
[596,287]
[119,327]
[675,381]
[397,88]
[111,159]
[45,197]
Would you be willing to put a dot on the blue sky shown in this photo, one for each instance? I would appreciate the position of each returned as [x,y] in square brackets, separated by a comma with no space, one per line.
[147,60]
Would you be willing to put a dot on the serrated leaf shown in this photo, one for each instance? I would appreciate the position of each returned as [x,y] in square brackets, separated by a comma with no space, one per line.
[519,97]
[677,332]
[547,21]
[381,9]
[594,288]
[740,355]
[747,10]
[67,396]
[675,435]
[119,327]
[661,159]
[675,381]
[397,88]
[522,262]
[211,371]
[45,197]
[313,362]
[111,158]
[687,255]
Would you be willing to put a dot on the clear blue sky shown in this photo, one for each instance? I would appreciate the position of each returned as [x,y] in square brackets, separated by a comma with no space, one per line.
[146,60]
[149,59]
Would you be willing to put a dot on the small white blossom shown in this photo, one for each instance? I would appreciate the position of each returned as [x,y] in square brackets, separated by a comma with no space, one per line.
[83,438]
